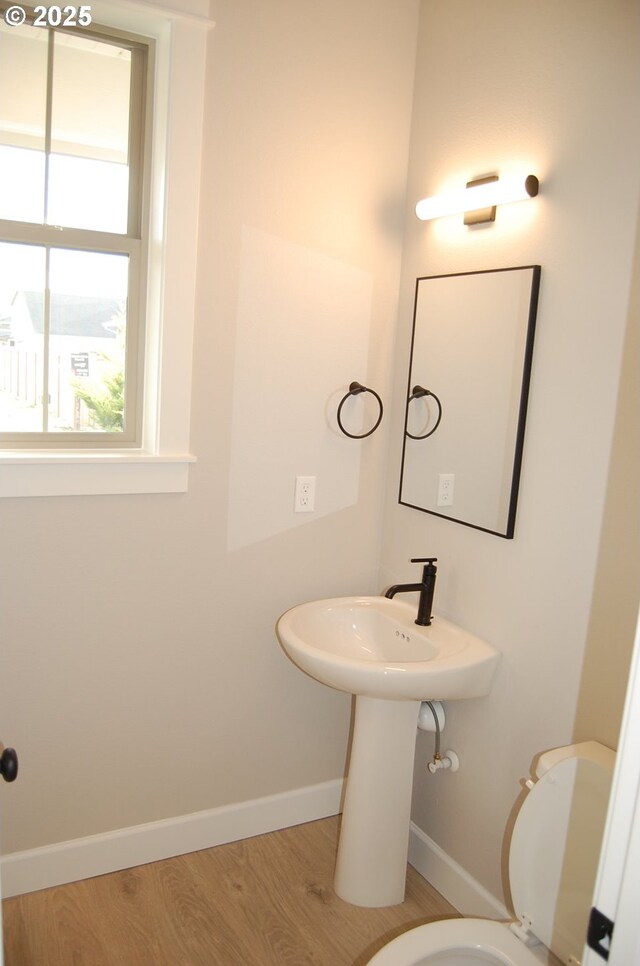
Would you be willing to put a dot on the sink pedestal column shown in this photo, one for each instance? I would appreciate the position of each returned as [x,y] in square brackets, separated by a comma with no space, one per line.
[371,867]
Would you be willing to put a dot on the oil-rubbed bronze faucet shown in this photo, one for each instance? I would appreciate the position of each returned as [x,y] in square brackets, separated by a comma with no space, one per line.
[426,589]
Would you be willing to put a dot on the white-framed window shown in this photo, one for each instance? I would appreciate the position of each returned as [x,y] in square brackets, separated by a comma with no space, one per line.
[148,454]
[73,231]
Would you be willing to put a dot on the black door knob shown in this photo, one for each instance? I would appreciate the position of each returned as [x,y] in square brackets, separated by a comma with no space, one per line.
[9,765]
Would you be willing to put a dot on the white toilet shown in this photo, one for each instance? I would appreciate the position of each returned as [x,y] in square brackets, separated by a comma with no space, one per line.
[553,861]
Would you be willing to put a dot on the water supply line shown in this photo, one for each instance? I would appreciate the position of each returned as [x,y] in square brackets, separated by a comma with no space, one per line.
[437,763]
[436,718]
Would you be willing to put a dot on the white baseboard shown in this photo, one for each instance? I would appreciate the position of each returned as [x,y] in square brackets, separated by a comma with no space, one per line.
[451,880]
[124,848]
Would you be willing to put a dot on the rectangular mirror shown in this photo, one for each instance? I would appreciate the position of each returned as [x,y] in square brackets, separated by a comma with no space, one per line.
[470,366]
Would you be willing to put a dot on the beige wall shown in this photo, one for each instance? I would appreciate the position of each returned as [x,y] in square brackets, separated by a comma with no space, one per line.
[554,90]
[614,606]
[138,632]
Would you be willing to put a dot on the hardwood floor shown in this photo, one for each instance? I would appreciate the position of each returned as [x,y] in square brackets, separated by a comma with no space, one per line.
[265,901]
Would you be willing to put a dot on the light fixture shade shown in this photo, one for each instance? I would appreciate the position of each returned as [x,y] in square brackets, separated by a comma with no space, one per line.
[498,192]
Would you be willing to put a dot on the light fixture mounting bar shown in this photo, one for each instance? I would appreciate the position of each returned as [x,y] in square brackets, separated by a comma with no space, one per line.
[481,215]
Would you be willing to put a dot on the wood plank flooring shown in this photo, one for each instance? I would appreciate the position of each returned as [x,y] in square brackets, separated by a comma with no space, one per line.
[265,901]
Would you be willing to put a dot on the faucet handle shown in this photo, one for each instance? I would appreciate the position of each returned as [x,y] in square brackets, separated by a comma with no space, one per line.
[427,560]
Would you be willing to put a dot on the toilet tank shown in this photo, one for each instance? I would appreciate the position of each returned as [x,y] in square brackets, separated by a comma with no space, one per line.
[555,846]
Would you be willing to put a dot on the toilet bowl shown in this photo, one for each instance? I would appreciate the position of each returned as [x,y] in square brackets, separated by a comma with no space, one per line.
[553,860]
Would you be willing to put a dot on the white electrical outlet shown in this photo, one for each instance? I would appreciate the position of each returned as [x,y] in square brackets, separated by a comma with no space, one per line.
[305,495]
[445,489]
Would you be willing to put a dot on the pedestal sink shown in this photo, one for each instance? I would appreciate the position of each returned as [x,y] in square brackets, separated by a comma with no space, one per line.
[372,648]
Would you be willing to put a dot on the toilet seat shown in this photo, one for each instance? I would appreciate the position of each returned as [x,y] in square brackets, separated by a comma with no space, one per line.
[555,846]
[456,942]
[553,860]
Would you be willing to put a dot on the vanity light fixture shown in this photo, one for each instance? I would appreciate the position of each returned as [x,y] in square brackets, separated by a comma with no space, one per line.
[478,200]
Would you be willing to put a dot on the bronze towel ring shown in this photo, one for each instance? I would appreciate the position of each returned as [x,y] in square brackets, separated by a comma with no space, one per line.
[355,389]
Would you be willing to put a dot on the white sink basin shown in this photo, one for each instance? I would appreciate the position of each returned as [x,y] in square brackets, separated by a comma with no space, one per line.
[372,646]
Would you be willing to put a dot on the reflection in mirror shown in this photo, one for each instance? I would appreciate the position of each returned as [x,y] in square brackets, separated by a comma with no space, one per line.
[470,366]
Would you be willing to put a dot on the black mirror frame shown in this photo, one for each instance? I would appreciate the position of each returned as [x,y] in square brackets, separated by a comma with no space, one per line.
[522,411]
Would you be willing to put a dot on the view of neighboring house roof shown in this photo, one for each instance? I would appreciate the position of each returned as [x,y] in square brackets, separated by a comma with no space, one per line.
[5,328]
[79,315]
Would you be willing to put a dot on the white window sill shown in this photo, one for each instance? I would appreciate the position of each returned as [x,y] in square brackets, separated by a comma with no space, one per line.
[91,472]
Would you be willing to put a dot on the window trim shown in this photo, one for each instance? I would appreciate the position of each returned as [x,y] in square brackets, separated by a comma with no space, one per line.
[160,464]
